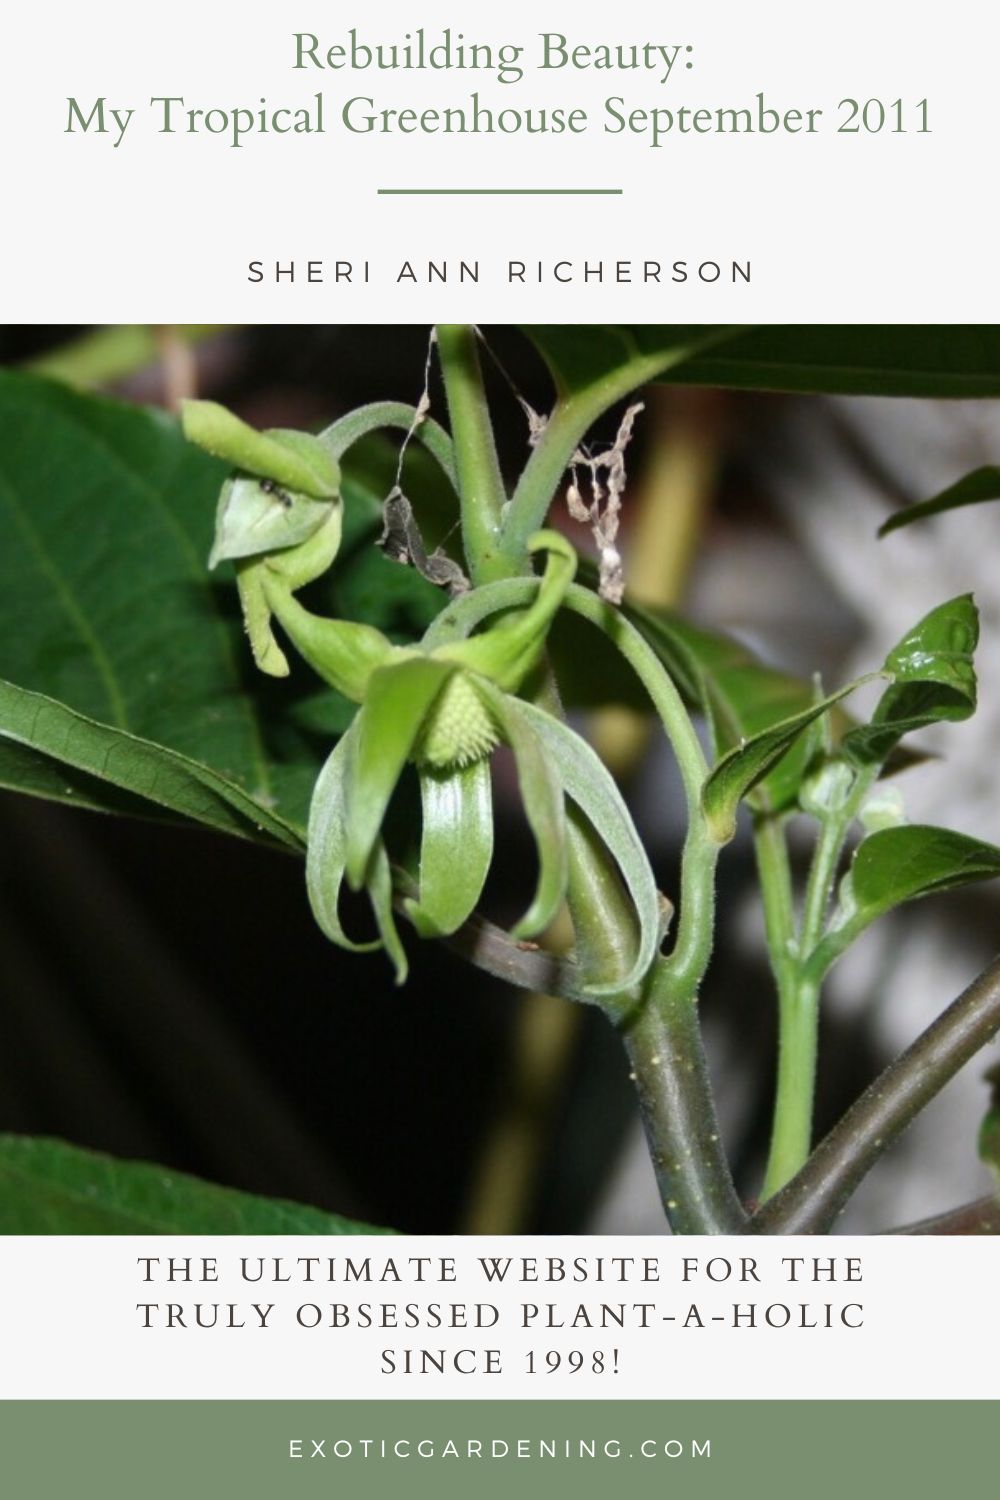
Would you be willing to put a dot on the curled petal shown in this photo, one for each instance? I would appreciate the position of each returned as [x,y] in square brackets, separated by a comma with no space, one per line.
[507,651]
[255,517]
[540,778]
[589,784]
[295,460]
[326,861]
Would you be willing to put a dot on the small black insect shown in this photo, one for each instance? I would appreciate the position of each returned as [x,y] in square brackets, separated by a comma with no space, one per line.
[271,488]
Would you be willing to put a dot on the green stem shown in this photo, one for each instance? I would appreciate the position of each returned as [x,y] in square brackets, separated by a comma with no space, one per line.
[775,875]
[810,1203]
[480,483]
[797,1011]
[572,417]
[791,1131]
[799,980]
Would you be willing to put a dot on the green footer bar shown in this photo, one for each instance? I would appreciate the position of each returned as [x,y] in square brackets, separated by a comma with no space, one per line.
[824,1450]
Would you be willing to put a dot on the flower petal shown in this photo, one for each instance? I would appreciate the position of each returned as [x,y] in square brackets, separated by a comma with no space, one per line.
[591,787]
[507,651]
[326,860]
[456,847]
[296,460]
[398,699]
[539,777]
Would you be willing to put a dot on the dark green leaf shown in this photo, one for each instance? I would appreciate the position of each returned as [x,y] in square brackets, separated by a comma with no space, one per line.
[106,519]
[48,1187]
[975,489]
[456,847]
[934,680]
[39,737]
[903,864]
[745,766]
[879,360]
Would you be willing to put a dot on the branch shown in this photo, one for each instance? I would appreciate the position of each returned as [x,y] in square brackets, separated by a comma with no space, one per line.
[981,1217]
[671,1077]
[810,1203]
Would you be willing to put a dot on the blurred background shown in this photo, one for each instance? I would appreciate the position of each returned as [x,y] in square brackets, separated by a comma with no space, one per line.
[148,1010]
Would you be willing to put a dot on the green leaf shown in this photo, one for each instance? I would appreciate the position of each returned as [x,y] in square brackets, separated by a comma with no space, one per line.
[540,781]
[42,736]
[589,784]
[902,864]
[48,1187]
[456,847]
[741,696]
[326,860]
[878,360]
[976,488]
[745,766]
[398,701]
[934,680]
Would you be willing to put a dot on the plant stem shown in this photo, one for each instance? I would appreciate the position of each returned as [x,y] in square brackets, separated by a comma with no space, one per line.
[810,1203]
[799,981]
[791,1130]
[981,1217]
[573,415]
[481,489]
[664,1046]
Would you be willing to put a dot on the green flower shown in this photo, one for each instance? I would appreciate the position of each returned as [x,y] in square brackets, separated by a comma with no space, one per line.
[443,709]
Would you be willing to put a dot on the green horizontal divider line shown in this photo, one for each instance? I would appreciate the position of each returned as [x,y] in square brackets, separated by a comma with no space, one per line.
[501,192]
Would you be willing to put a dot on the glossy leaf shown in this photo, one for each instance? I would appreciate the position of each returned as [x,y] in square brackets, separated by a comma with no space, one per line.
[745,766]
[977,488]
[456,847]
[541,788]
[934,680]
[590,785]
[48,1187]
[326,860]
[903,864]
[42,735]
[397,703]
[878,360]
[741,696]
